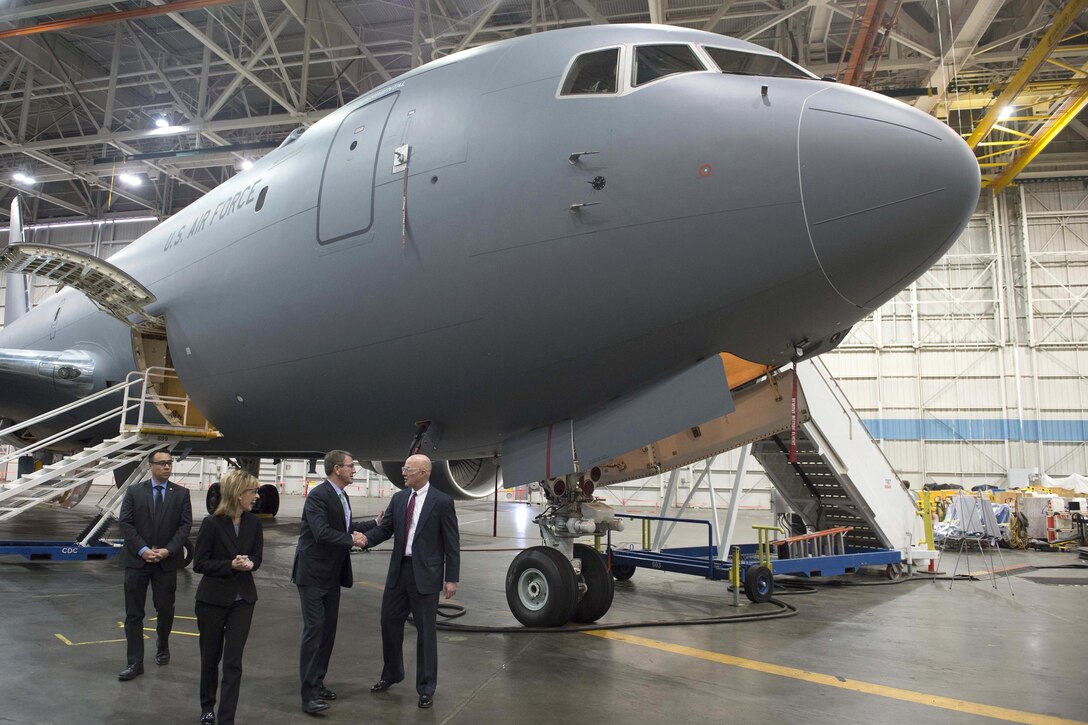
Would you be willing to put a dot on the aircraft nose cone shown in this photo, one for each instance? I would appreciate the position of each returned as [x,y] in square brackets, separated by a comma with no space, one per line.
[886,190]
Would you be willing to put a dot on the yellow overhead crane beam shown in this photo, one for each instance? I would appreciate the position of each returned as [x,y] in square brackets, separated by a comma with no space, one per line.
[1061,23]
[1046,133]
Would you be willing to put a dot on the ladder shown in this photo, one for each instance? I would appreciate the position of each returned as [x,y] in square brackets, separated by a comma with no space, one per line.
[137,437]
[841,477]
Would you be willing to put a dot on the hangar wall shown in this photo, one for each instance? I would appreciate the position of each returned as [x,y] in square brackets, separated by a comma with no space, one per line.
[974,374]
[979,368]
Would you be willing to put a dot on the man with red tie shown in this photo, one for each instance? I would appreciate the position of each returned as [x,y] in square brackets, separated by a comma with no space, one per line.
[426,560]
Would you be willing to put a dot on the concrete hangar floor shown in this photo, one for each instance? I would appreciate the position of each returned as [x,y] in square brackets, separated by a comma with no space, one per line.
[915,652]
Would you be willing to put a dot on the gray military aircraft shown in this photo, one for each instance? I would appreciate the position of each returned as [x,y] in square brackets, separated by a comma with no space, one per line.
[545,252]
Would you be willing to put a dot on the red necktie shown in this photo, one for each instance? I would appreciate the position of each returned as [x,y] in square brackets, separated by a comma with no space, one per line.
[408,518]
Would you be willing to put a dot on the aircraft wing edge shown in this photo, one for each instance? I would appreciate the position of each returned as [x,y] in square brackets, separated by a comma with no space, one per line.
[687,399]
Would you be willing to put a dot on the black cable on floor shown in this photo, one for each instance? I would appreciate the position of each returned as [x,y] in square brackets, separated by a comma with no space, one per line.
[784,610]
[901,580]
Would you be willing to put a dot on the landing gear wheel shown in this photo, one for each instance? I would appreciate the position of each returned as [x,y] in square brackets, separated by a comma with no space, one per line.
[894,571]
[268,501]
[212,499]
[759,584]
[622,572]
[188,550]
[600,588]
[541,588]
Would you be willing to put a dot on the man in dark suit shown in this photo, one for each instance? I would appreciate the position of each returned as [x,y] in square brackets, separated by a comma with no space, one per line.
[322,566]
[426,560]
[155,520]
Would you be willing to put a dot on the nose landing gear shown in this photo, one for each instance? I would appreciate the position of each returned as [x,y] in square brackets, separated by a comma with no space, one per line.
[548,586]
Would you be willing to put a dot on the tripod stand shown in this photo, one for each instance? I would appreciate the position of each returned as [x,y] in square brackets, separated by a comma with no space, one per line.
[978,525]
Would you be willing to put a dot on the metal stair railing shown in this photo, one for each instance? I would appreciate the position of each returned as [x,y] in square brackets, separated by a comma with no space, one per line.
[117,412]
[110,503]
[134,442]
[57,478]
[153,384]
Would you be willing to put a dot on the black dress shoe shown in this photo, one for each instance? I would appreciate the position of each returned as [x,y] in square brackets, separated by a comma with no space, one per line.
[425,701]
[312,707]
[162,657]
[207,718]
[325,693]
[381,686]
[131,672]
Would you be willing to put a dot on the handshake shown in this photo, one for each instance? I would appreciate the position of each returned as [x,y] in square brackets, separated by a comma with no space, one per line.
[357,539]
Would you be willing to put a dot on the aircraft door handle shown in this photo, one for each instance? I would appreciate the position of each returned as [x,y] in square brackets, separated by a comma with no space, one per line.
[575,157]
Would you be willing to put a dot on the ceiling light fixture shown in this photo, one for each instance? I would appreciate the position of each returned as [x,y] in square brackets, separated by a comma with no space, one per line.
[129,180]
[22,178]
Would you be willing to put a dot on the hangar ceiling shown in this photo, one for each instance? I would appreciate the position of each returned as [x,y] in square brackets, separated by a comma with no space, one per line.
[82,82]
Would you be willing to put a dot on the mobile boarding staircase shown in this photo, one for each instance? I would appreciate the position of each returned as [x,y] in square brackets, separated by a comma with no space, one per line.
[855,510]
[132,405]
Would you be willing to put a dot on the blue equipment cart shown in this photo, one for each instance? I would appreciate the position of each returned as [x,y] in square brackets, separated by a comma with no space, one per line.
[822,553]
[58,550]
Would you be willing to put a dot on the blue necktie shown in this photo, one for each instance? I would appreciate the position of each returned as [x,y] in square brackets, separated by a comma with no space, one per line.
[158,498]
[347,510]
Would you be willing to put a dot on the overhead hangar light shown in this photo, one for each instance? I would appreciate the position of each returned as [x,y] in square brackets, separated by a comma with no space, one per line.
[247,165]
[22,178]
[161,122]
[130,180]
[1006,112]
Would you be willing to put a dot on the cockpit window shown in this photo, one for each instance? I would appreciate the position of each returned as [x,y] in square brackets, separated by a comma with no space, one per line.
[657,61]
[594,72]
[754,64]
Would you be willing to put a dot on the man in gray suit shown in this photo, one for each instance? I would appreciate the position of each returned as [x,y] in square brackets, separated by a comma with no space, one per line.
[426,560]
[322,566]
[155,520]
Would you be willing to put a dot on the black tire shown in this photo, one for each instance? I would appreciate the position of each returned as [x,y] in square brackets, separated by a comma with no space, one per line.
[759,584]
[211,501]
[269,501]
[623,572]
[894,571]
[541,588]
[188,550]
[600,587]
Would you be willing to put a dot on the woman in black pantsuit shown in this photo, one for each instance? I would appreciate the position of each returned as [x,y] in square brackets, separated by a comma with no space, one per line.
[228,550]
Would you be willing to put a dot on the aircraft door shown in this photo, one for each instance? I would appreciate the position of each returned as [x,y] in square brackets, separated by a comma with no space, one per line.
[346,199]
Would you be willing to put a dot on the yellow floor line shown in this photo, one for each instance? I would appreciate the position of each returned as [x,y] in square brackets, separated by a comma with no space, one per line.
[869,688]
[70,643]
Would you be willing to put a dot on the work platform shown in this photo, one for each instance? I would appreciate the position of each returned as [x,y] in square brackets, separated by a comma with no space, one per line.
[822,553]
[822,462]
[150,411]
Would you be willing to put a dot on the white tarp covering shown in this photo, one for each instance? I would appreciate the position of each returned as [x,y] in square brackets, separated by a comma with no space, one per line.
[966,517]
[1073,482]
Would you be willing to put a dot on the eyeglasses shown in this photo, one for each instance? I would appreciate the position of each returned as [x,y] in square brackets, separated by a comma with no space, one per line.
[249,490]
[162,463]
[406,469]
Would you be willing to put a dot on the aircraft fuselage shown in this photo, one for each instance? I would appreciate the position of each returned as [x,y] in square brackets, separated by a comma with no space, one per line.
[557,252]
